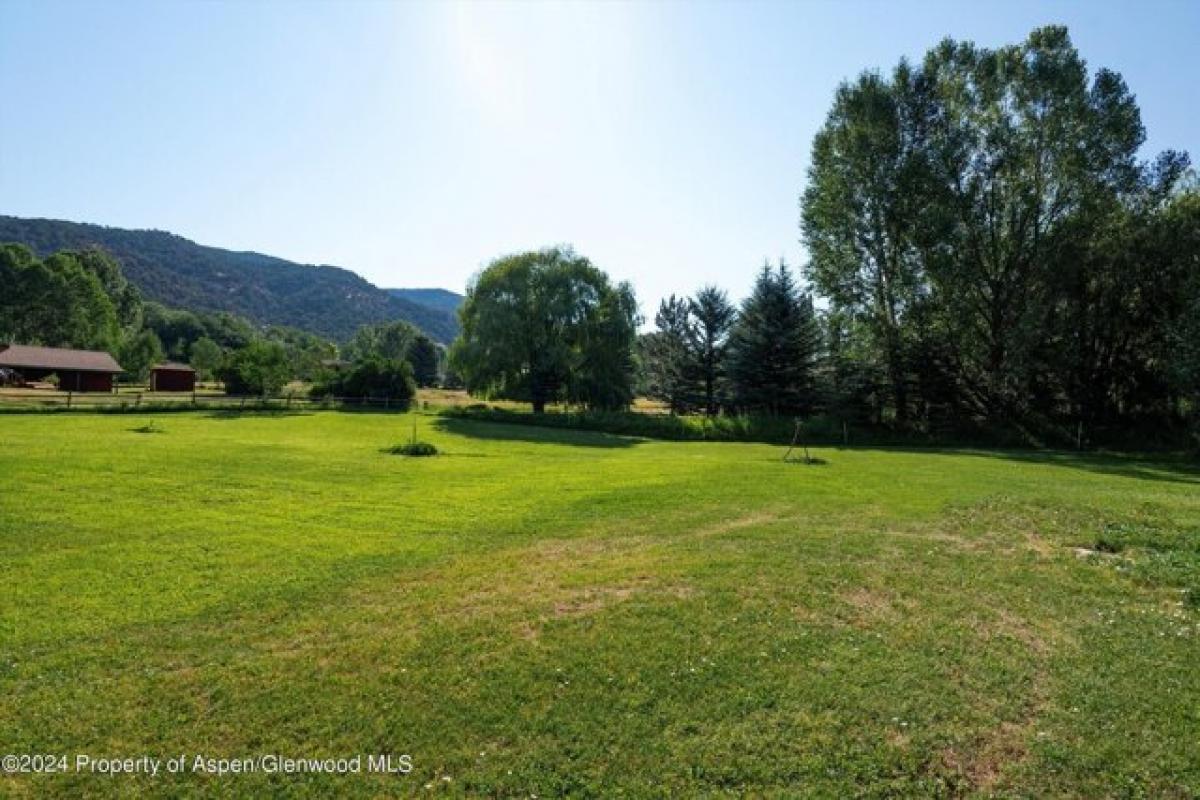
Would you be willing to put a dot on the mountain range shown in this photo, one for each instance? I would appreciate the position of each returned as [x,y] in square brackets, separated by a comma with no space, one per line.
[326,300]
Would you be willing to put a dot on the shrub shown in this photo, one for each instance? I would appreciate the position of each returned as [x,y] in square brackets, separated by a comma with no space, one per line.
[414,449]
[370,377]
[259,368]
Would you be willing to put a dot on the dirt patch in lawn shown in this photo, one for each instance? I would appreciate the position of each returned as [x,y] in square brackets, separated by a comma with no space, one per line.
[740,523]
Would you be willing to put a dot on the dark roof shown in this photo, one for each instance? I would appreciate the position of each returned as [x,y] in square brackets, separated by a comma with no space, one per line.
[173,366]
[28,356]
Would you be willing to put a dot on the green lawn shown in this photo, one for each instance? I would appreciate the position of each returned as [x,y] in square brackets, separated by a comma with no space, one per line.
[550,613]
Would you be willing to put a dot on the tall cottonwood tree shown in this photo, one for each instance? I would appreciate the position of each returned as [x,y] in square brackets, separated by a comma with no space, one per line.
[861,211]
[1021,144]
[985,214]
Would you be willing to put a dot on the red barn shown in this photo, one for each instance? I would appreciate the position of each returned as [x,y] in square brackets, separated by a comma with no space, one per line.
[172,377]
[77,370]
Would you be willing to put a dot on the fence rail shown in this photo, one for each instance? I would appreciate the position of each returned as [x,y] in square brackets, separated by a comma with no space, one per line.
[32,400]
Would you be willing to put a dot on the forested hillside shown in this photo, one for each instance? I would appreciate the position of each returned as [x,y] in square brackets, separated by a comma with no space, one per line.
[170,269]
[440,299]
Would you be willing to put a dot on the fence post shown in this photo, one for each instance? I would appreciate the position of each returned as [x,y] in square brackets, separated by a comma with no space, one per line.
[193,394]
[68,399]
[138,402]
[386,402]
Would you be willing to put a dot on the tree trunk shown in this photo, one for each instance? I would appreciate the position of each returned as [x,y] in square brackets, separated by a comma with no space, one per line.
[900,395]
[710,406]
[896,376]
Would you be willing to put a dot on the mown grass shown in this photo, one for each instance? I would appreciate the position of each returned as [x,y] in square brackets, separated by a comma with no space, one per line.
[573,613]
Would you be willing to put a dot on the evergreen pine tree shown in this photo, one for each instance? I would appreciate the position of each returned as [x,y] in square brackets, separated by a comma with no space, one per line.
[671,370]
[774,346]
[714,316]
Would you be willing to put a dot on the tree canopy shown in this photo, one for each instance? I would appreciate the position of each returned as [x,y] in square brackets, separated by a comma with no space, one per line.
[546,326]
[985,233]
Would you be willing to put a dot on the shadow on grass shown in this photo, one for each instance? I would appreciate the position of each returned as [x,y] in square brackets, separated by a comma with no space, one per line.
[499,431]
[257,413]
[810,461]
[1158,467]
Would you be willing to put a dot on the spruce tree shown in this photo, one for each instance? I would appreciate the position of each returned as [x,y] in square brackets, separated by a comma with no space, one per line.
[671,370]
[714,316]
[774,346]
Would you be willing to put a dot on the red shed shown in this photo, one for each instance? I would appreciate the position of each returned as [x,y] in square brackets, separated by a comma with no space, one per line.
[172,377]
[77,370]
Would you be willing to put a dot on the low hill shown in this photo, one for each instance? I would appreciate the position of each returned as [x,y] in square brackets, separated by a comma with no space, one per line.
[326,300]
[439,299]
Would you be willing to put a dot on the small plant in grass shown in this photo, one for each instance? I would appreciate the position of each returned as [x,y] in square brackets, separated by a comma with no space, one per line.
[413,447]
[149,427]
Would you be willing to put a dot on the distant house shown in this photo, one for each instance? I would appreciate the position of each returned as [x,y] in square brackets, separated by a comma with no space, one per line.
[172,377]
[77,370]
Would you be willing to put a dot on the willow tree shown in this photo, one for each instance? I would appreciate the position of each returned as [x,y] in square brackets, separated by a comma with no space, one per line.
[547,325]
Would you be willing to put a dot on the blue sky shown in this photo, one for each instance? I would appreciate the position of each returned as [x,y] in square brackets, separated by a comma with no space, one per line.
[413,142]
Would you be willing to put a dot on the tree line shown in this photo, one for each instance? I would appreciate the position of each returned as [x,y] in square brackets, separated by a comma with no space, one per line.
[81,299]
[987,252]
[992,249]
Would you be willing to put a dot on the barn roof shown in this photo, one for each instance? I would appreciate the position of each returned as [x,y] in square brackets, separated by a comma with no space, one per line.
[173,366]
[30,357]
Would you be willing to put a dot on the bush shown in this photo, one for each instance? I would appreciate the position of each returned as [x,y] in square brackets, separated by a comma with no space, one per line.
[414,449]
[259,368]
[370,377]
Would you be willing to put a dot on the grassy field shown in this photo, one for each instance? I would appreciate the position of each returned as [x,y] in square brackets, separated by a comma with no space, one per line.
[551,613]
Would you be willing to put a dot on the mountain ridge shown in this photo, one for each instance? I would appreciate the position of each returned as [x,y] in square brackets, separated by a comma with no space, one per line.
[170,269]
[441,299]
